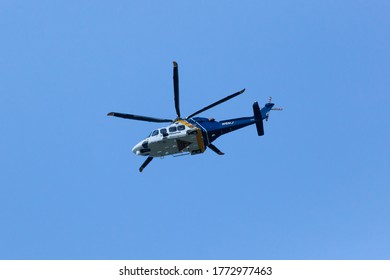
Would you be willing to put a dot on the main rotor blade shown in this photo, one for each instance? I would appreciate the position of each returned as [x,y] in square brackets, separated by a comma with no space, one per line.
[176,87]
[147,161]
[138,118]
[215,149]
[216,103]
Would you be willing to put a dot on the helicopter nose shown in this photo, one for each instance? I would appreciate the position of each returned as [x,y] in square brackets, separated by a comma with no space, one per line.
[136,149]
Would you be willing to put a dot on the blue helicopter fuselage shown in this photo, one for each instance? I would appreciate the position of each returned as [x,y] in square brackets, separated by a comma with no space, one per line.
[212,129]
[194,135]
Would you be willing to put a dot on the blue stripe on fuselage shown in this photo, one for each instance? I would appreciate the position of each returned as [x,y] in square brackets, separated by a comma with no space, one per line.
[198,122]
[213,129]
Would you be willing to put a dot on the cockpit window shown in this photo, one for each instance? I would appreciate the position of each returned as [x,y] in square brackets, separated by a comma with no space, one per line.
[155,132]
[172,129]
[163,131]
[181,127]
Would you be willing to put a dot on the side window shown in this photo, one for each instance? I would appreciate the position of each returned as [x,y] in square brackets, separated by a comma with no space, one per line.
[172,129]
[181,127]
[163,131]
[155,132]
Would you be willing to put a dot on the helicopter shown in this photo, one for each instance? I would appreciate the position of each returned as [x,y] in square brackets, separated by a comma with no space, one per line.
[192,135]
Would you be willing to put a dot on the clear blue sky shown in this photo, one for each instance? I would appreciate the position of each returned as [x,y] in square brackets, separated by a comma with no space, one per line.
[316,186]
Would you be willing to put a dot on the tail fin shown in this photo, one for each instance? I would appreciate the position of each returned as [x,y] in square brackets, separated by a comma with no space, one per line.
[258,119]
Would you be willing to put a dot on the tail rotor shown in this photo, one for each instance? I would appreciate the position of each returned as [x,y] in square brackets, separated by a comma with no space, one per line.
[270,104]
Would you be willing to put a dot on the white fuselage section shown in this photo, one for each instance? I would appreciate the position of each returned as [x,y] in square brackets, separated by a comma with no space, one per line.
[179,137]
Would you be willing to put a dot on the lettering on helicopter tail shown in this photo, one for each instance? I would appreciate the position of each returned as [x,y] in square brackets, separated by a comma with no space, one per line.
[199,138]
[227,123]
